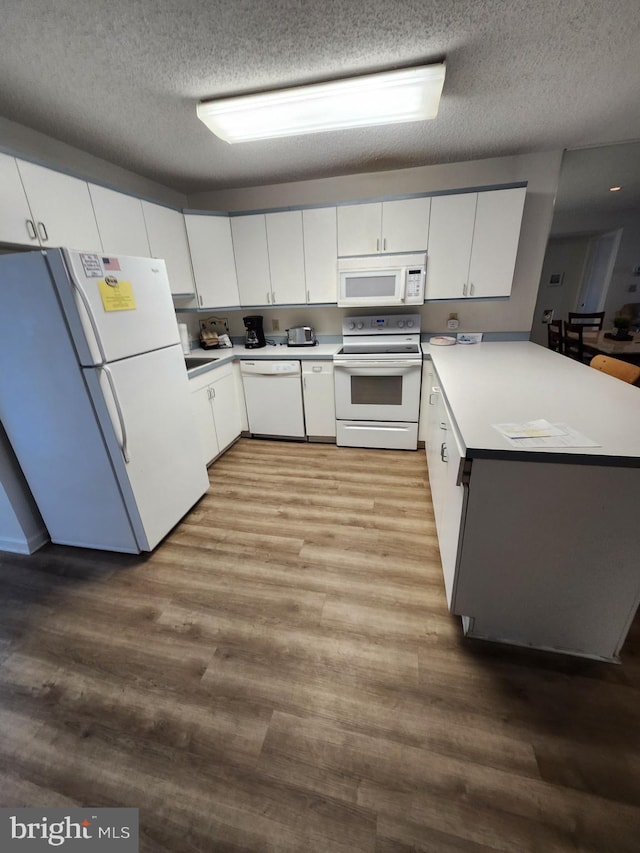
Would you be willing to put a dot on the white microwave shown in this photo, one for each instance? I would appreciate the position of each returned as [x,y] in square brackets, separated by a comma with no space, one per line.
[378,280]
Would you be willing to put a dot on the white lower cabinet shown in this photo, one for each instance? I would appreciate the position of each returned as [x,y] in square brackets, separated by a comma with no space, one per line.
[445,459]
[319,399]
[216,409]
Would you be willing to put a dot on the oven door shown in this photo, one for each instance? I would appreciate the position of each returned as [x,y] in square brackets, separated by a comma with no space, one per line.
[368,389]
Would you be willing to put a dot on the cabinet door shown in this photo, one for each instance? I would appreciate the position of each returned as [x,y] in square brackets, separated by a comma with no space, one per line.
[16,221]
[450,239]
[286,257]
[434,447]
[405,225]
[226,411]
[214,267]
[319,398]
[168,240]
[495,242]
[252,259]
[203,414]
[449,531]
[120,223]
[61,207]
[359,229]
[319,229]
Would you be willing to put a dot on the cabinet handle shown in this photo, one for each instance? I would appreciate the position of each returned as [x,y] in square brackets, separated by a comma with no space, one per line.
[273,297]
[43,231]
[443,426]
[443,452]
[464,289]
[304,382]
[308,296]
[471,289]
[213,393]
[31,230]
[268,298]
[384,245]
[200,299]
[432,397]
[378,245]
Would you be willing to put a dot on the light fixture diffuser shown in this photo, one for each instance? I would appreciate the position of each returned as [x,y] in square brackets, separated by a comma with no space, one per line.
[389,97]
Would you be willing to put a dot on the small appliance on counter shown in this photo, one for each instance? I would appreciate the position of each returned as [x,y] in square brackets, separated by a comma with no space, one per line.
[301,336]
[254,337]
[211,334]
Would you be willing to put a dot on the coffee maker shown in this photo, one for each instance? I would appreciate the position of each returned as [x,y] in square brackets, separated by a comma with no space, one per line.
[254,337]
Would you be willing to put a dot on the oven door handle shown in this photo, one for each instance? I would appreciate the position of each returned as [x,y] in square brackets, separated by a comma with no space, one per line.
[365,368]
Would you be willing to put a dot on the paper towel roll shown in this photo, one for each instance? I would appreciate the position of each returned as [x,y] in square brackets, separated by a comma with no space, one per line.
[184,338]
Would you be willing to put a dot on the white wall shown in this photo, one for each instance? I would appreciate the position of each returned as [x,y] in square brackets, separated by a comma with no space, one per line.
[566,256]
[20,141]
[21,527]
[515,314]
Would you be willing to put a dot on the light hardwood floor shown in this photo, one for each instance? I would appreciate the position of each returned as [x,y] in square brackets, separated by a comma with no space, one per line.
[282,675]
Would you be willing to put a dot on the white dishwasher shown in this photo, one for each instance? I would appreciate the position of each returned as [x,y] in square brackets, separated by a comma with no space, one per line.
[273,394]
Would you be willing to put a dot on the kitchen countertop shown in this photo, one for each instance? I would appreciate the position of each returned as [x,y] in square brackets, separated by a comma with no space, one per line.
[512,382]
[224,356]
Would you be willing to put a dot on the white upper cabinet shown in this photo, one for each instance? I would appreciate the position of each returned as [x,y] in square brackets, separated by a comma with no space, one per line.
[214,266]
[450,239]
[16,221]
[319,228]
[405,225]
[473,243]
[61,206]
[252,259]
[359,229]
[286,257]
[495,242]
[269,256]
[120,223]
[168,240]
[390,226]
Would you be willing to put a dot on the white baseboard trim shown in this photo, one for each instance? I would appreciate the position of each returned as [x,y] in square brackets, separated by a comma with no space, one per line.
[25,546]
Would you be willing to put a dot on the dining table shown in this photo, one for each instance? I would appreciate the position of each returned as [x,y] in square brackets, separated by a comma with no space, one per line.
[596,342]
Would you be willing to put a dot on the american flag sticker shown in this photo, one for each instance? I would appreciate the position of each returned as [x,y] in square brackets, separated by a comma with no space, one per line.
[111,264]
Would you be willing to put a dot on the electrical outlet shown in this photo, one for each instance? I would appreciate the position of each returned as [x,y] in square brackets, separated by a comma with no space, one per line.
[275,325]
[453,324]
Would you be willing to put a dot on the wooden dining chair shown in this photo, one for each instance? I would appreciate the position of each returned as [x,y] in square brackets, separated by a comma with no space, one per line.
[616,367]
[572,340]
[593,320]
[554,335]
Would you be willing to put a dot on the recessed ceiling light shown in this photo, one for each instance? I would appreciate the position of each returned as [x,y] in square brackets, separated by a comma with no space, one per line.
[614,189]
[390,97]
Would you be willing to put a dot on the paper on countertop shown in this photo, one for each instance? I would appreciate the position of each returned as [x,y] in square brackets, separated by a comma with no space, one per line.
[565,436]
[529,429]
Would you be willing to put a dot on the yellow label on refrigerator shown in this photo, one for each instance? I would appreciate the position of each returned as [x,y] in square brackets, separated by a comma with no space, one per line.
[116,295]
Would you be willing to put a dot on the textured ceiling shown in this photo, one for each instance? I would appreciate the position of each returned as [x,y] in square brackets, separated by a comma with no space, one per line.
[121,79]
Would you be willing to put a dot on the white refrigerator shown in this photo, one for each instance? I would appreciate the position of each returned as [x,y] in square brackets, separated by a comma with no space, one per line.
[94,397]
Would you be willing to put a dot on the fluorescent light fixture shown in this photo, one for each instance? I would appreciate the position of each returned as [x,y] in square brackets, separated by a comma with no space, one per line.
[390,97]
[614,189]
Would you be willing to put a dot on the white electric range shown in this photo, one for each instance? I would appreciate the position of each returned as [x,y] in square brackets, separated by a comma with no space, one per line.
[377,381]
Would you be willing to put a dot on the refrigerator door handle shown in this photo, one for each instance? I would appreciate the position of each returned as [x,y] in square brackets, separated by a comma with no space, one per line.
[87,307]
[114,394]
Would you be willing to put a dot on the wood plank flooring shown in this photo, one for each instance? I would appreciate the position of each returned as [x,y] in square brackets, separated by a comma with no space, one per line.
[282,675]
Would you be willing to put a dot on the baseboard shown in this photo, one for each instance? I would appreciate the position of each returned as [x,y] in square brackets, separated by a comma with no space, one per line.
[25,546]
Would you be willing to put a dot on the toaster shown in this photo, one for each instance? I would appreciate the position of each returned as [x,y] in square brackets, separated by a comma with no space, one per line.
[301,336]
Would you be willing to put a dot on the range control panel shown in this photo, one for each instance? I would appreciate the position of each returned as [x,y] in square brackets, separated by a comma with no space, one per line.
[381,324]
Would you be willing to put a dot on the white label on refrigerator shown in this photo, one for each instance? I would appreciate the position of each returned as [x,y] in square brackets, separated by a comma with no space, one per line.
[92,265]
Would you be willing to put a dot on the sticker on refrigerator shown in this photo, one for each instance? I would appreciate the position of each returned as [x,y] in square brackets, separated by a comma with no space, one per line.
[111,264]
[116,295]
[91,265]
